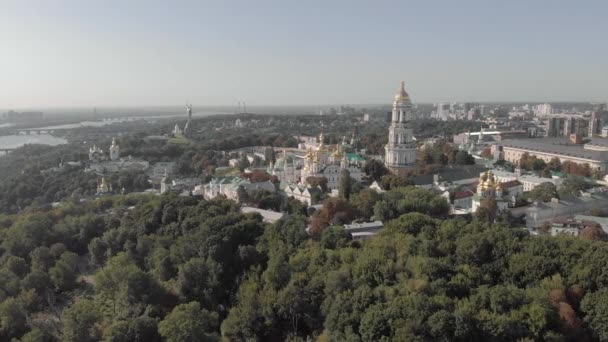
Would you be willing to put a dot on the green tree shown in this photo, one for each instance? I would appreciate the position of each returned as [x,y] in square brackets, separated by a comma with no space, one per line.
[399,201]
[13,318]
[65,271]
[16,265]
[334,237]
[249,319]
[595,307]
[9,284]
[37,280]
[376,323]
[25,235]
[345,184]
[188,322]
[364,201]
[269,155]
[538,164]
[79,321]
[317,182]
[57,249]
[41,258]
[572,184]
[554,164]
[263,199]
[195,281]
[97,250]
[36,335]
[144,329]
[442,326]
[126,288]
[488,210]
[543,192]
[464,158]
[412,223]
[375,169]
[389,182]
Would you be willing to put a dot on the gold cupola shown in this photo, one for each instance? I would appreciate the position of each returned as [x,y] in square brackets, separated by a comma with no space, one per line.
[402,95]
[337,154]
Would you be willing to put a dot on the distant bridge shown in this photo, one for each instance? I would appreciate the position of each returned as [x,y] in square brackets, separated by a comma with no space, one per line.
[26,131]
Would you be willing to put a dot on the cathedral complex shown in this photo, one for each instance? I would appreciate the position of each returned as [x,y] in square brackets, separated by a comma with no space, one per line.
[328,163]
[102,163]
[400,152]
[319,161]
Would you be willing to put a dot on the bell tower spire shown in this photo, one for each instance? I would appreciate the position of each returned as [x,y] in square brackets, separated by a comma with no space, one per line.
[400,152]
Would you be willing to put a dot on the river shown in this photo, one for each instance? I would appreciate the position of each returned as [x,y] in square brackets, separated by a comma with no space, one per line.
[15,141]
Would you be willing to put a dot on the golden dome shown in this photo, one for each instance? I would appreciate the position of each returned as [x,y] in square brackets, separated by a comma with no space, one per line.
[483,177]
[337,153]
[490,180]
[487,181]
[309,154]
[402,95]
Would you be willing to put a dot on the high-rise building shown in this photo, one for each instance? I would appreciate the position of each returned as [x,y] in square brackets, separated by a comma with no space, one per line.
[599,119]
[443,109]
[400,152]
[542,109]
[564,126]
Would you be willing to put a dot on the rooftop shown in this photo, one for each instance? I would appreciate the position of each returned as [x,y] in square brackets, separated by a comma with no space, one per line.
[511,184]
[464,194]
[355,157]
[268,215]
[364,227]
[452,174]
[602,221]
[526,177]
[559,146]
[571,201]
[599,141]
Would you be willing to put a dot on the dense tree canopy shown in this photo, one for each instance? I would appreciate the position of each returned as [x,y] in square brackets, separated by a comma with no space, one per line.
[399,201]
[181,269]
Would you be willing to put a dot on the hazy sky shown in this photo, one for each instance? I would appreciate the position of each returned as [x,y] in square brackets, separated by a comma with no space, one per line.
[128,53]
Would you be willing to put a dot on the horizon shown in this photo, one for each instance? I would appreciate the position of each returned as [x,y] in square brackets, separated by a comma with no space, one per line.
[278,106]
[152,54]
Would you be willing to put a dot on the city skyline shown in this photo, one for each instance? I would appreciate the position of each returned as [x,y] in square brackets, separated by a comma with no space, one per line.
[72,54]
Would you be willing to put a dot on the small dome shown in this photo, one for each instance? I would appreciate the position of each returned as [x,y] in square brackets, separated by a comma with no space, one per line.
[337,153]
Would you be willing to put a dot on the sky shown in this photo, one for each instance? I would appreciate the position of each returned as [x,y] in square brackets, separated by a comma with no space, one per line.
[63,53]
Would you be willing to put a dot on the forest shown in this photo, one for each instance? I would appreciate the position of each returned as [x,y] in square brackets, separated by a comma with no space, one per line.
[170,268]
